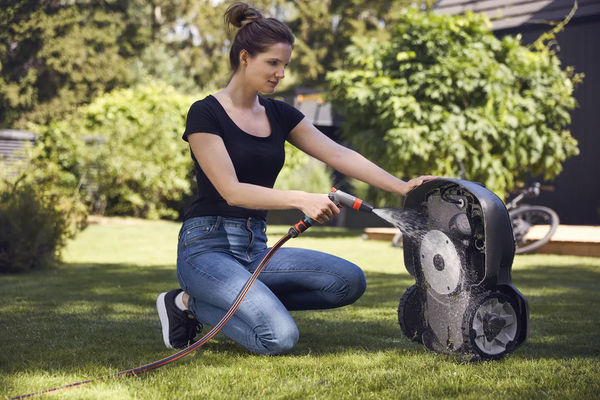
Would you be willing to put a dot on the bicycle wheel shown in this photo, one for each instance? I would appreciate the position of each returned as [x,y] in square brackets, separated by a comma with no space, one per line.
[533,226]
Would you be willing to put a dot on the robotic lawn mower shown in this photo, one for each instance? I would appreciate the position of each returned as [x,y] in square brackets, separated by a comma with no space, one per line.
[463,301]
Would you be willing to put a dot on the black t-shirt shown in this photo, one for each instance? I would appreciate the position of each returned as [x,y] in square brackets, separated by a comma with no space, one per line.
[257,160]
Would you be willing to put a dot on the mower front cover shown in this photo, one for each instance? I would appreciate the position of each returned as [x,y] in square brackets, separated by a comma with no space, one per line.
[463,301]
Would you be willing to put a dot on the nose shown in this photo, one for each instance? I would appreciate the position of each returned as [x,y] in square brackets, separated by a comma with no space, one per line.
[280,74]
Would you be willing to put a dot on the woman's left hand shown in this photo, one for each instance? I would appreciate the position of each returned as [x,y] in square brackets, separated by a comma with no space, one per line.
[413,183]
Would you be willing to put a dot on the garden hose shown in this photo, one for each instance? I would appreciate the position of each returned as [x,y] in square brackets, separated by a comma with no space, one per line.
[340,198]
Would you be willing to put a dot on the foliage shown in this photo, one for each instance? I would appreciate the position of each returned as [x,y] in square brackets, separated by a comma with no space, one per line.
[37,215]
[127,145]
[323,30]
[142,162]
[126,148]
[57,55]
[193,34]
[156,62]
[445,90]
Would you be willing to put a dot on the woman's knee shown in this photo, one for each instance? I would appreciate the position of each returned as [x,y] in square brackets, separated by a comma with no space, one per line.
[280,340]
[356,283]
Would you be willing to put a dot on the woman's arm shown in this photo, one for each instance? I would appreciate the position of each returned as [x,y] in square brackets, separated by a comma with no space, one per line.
[214,160]
[313,142]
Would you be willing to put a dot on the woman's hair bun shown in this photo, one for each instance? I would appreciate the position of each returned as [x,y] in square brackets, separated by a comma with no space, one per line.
[255,38]
[241,14]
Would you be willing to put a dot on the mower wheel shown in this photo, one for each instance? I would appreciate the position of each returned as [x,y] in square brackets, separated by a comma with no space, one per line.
[411,314]
[491,326]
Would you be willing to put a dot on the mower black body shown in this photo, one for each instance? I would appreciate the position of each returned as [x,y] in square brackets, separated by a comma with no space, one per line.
[463,301]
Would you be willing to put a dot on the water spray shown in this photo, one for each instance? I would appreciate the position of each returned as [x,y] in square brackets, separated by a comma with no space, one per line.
[411,223]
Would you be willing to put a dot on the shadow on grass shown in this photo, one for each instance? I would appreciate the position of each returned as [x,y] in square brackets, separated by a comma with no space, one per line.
[104,314]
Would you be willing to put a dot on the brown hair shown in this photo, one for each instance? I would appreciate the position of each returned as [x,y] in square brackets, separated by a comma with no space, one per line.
[256,33]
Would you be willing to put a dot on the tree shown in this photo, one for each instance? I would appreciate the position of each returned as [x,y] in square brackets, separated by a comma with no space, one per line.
[444,91]
[325,28]
[57,55]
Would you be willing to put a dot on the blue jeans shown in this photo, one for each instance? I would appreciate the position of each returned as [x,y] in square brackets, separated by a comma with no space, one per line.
[217,255]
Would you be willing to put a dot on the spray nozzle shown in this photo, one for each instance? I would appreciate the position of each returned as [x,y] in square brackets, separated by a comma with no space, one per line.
[344,199]
[340,199]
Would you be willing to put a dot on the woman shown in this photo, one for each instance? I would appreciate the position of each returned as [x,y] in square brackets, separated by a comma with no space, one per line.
[237,141]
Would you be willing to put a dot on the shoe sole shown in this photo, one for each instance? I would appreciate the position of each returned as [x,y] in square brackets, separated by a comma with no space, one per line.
[164,319]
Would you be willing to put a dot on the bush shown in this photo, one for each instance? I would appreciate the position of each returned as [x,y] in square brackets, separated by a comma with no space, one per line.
[127,147]
[37,217]
[445,90]
[55,56]
[141,161]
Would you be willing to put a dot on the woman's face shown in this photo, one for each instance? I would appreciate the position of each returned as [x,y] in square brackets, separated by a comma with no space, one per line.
[264,71]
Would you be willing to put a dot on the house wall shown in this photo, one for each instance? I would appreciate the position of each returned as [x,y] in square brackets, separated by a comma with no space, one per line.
[576,197]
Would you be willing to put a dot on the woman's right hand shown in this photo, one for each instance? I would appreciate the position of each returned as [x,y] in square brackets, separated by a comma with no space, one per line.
[318,207]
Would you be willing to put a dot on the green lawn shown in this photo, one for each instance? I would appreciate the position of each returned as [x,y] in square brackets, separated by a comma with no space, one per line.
[95,316]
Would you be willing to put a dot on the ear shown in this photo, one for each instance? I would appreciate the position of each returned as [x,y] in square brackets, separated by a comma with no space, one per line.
[244,56]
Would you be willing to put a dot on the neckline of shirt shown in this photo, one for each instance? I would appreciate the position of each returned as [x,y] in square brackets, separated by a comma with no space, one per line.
[261,101]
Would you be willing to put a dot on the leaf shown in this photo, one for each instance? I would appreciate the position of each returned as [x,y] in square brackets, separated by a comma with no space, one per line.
[406,55]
